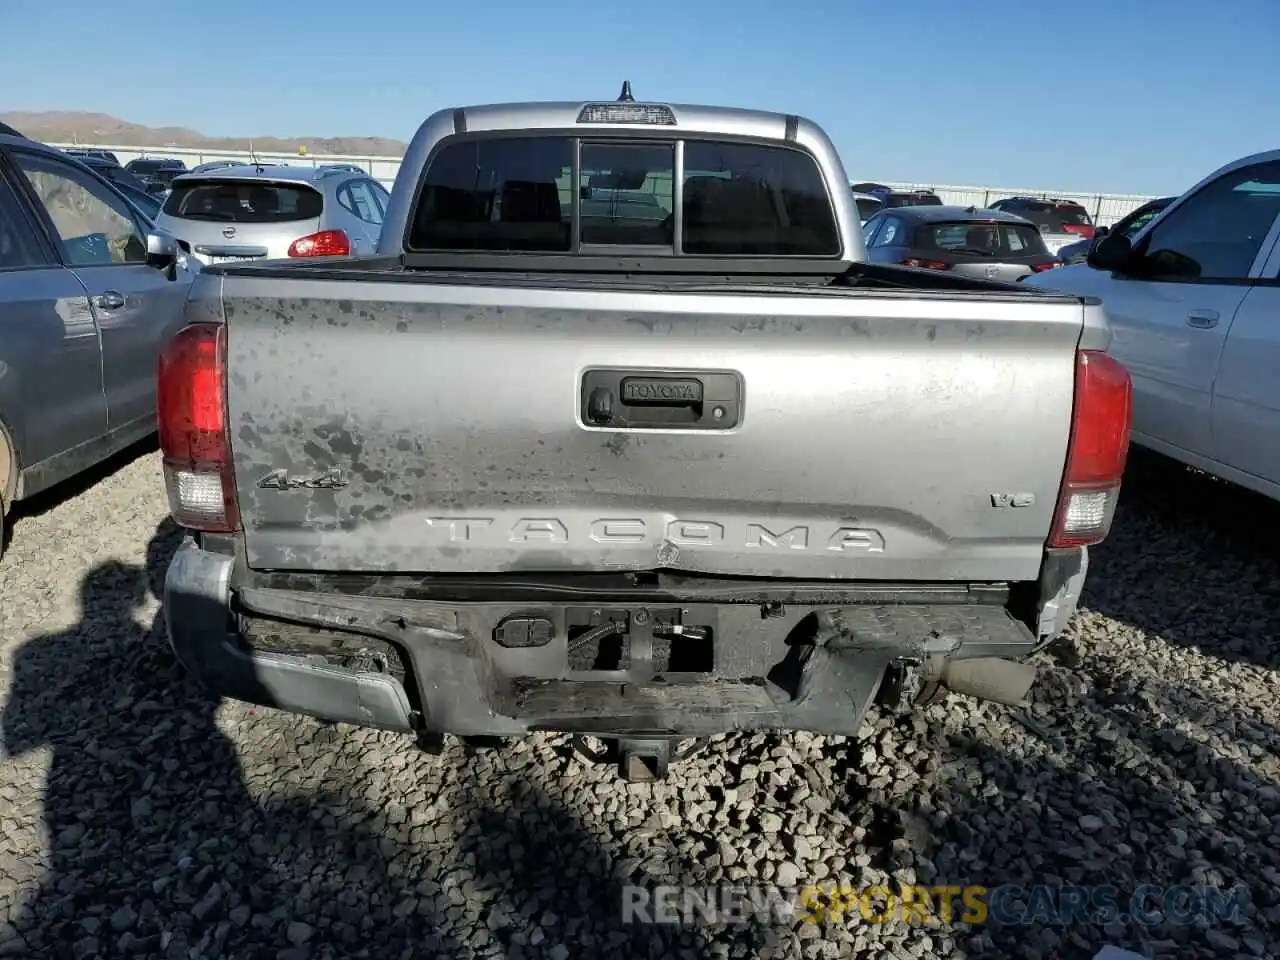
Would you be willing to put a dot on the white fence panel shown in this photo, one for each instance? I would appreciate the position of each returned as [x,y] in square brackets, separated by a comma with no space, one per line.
[382,169]
[1104,208]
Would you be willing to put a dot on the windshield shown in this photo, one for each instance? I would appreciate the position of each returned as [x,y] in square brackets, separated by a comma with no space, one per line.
[1141,220]
[243,201]
[867,207]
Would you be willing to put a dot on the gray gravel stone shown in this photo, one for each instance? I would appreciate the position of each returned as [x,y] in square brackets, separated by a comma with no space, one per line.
[1092,823]
[180,827]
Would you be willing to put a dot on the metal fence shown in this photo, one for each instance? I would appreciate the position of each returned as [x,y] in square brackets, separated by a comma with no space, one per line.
[382,169]
[1104,208]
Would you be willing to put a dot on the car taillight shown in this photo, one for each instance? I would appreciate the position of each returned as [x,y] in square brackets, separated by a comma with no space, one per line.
[1042,267]
[1096,452]
[1079,229]
[926,264]
[326,243]
[191,413]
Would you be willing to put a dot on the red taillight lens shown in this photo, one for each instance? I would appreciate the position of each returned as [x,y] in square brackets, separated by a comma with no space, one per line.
[326,243]
[1042,267]
[1097,451]
[1079,229]
[926,264]
[191,414]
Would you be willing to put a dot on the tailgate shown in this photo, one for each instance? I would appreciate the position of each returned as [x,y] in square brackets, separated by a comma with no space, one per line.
[423,427]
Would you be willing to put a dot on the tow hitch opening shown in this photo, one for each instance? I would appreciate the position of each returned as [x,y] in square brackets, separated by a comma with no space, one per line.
[638,759]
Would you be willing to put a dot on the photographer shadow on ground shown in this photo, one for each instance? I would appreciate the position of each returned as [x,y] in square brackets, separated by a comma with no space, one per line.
[155,845]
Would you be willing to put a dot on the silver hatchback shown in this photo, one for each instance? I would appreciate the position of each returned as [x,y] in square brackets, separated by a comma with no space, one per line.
[275,212]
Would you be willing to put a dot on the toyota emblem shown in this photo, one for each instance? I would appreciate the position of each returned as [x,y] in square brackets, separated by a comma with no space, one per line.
[228,232]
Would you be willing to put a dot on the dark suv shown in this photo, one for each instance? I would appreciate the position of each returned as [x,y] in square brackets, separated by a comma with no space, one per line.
[910,198]
[156,172]
[1052,216]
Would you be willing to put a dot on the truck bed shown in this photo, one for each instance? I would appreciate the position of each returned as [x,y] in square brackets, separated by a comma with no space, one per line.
[888,424]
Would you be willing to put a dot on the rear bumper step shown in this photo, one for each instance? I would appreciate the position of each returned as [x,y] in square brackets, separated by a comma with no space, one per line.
[618,669]
[197,617]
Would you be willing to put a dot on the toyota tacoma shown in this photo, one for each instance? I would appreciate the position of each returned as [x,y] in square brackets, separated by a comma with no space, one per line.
[618,436]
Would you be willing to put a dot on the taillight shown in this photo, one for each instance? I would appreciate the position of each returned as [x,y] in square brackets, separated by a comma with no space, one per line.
[191,413]
[1079,229]
[926,264]
[1042,267]
[1096,452]
[326,243]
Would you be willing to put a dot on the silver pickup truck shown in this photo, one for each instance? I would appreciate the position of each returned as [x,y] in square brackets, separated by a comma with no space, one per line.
[616,436]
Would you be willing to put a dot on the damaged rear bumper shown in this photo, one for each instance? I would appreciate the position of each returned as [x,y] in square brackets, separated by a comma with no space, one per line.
[709,659]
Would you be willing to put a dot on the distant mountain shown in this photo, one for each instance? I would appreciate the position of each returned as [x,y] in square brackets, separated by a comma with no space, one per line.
[69,126]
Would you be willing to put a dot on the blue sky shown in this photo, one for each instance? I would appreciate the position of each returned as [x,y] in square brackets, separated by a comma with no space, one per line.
[1118,96]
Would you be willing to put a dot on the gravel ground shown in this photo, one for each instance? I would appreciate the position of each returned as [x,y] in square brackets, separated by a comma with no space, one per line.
[139,817]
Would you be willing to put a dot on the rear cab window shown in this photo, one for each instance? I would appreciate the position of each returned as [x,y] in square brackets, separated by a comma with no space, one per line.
[243,201]
[981,239]
[559,193]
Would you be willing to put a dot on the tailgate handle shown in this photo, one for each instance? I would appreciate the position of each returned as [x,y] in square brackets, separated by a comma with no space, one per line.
[642,399]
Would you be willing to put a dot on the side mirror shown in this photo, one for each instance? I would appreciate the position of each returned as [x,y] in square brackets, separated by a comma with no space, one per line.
[162,250]
[1112,253]
[1101,232]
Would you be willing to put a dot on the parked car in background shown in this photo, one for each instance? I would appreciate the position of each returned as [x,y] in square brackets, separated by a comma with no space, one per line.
[868,205]
[869,187]
[909,198]
[1194,301]
[92,153]
[439,489]
[89,292]
[342,168]
[216,165]
[1059,221]
[266,212]
[967,241]
[156,173]
[1127,226]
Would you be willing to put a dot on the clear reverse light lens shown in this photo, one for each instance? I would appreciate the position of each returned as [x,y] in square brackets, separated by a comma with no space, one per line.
[195,498]
[1087,512]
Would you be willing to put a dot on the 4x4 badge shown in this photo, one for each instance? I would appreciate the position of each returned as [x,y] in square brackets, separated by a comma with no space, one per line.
[280,480]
